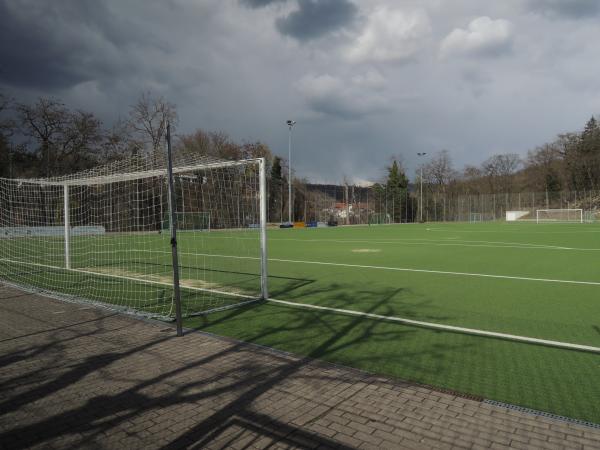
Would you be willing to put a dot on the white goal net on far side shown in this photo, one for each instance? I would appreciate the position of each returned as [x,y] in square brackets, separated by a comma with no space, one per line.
[559,215]
[101,236]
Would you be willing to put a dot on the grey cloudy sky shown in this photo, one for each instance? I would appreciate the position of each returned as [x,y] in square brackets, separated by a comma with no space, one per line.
[366,80]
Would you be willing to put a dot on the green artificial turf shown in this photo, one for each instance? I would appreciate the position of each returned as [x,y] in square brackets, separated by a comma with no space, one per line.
[563,382]
[543,309]
[560,381]
[354,268]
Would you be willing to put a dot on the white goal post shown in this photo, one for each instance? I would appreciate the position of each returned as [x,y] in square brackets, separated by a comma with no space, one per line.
[98,235]
[559,215]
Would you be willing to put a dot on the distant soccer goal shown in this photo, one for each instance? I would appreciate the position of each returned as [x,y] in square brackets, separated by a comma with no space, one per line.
[99,236]
[379,218]
[559,215]
[475,217]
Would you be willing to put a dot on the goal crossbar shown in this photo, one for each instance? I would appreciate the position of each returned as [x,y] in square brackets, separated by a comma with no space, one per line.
[138,175]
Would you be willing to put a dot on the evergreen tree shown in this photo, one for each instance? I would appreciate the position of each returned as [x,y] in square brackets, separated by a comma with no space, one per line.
[397,185]
[275,186]
[582,157]
[589,155]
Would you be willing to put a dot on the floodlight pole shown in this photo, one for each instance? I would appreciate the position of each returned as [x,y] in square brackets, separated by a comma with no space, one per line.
[421,179]
[290,124]
[172,217]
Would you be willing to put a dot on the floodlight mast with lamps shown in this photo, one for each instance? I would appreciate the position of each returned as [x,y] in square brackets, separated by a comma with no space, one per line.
[290,124]
[421,178]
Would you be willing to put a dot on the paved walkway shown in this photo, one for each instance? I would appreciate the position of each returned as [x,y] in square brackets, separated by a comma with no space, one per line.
[73,376]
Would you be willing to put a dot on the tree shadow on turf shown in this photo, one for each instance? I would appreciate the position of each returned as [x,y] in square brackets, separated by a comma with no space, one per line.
[224,406]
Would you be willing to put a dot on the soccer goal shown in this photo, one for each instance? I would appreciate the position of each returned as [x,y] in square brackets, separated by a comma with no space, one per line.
[99,236]
[559,215]
[475,217]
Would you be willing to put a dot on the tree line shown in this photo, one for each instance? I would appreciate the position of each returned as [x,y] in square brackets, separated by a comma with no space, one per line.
[569,163]
[46,138]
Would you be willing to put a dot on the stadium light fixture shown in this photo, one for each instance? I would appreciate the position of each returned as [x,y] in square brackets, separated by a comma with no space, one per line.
[421,178]
[290,124]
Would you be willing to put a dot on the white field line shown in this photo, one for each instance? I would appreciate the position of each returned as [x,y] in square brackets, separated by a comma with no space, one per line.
[451,328]
[431,325]
[402,269]
[138,280]
[162,283]
[397,269]
[357,266]
[443,243]
[452,243]
[441,272]
[420,241]
[514,231]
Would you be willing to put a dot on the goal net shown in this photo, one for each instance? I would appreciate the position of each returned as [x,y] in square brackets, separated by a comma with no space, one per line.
[475,217]
[559,215]
[188,221]
[100,235]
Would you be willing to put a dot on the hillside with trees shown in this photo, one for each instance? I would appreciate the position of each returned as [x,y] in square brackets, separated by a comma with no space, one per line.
[46,138]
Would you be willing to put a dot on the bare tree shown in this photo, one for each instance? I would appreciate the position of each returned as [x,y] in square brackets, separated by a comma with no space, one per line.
[196,143]
[44,121]
[223,146]
[500,170]
[66,140]
[117,142]
[220,145]
[438,173]
[257,150]
[148,120]
[80,144]
[544,169]
[471,181]
[7,125]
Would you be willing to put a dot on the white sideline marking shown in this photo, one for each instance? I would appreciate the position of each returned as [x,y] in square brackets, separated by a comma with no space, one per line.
[437,326]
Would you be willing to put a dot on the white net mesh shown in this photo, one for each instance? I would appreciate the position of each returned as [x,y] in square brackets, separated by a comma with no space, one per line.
[559,215]
[115,246]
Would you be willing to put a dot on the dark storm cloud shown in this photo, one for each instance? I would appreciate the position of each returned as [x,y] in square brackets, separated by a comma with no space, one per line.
[259,3]
[315,18]
[376,78]
[575,9]
[56,45]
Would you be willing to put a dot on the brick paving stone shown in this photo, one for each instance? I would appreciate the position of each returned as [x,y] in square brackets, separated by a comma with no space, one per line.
[91,378]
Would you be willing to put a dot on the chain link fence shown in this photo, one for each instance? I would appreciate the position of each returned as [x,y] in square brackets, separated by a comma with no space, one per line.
[353,205]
